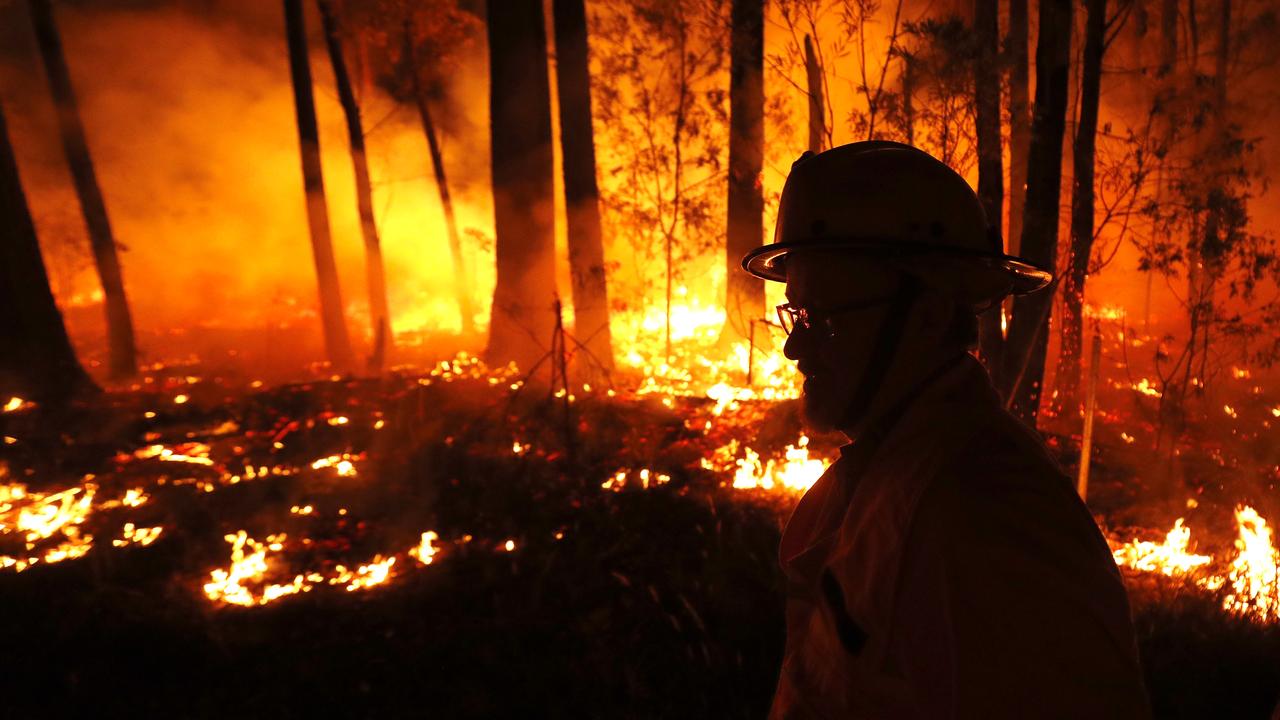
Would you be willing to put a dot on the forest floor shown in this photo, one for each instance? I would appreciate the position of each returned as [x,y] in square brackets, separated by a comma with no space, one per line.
[585,559]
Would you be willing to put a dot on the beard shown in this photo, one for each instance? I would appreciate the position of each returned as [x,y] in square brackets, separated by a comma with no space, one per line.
[836,400]
[824,403]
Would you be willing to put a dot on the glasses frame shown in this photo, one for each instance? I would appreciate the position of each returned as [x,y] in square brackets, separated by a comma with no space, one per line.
[792,316]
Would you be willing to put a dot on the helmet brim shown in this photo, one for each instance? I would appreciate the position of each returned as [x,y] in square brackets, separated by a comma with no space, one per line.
[768,262]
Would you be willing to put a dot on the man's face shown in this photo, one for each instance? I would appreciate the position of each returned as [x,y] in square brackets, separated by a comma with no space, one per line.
[834,353]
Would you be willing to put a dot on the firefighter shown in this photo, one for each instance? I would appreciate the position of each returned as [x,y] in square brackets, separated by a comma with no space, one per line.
[943,566]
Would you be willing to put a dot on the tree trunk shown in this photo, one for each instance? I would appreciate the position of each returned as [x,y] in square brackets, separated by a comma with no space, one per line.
[1168,37]
[337,343]
[817,103]
[1166,83]
[1028,331]
[461,287]
[1206,250]
[1082,200]
[745,294]
[1019,120]
[581,195]
[379,317]
[38,361]
[986,88]
[908,97]
[123,357]
[522,319]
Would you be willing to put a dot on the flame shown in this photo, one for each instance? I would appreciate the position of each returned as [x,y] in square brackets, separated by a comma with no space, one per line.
[141,536]
[1170,557]
[235,584]
[698,362]
[426,549]
[1106,312]
[38,517]
[796,472]
[465,366]
[229,585]
[15,404]
[342,464]
[1252,578]
[645,479]
[1252,575]
[191,453]
[1145,387]
[134,497]
[376,572]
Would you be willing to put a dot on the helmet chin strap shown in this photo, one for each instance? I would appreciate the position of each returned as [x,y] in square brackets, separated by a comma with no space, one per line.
[887,345]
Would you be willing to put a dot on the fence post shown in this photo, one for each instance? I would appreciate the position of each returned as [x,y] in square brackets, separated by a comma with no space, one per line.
[1090,406]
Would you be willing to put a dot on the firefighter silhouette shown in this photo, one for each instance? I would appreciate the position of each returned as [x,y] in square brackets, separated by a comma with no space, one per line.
[943,566]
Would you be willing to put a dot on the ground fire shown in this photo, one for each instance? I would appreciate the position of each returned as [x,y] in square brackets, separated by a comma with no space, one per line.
[387,355]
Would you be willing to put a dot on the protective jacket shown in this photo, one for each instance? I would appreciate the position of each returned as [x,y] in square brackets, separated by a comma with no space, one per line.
[944,567]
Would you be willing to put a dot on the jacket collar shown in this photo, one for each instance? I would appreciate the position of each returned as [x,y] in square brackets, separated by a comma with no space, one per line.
[874,486]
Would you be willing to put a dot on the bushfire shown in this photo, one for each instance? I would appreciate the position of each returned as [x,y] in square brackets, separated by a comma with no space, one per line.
[713,397]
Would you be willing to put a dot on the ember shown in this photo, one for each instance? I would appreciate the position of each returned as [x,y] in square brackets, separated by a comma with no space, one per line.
[41,517]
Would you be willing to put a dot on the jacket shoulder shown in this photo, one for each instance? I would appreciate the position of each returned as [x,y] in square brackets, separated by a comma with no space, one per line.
[1005,561]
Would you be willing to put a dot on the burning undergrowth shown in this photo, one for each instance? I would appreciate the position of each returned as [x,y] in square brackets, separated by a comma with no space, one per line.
[405,541]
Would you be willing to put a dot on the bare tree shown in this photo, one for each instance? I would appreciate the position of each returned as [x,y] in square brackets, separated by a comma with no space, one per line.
[337,343]
[661,104]
[1083,230]
[411,49]
[940,58]
[813,41]
[1019,118]
[581,194]
[986,89]
[38,361]
[462,290]
[379,316]
[1028,329]
[123,356]
[1207,250]
[744,302]
[522,321]
[856,16]
[817,102]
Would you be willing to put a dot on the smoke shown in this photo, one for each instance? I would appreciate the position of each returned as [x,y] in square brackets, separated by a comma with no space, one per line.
[188,110]
[189,116]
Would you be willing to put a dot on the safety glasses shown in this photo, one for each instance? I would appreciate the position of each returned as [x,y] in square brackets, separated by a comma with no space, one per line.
[793,316]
